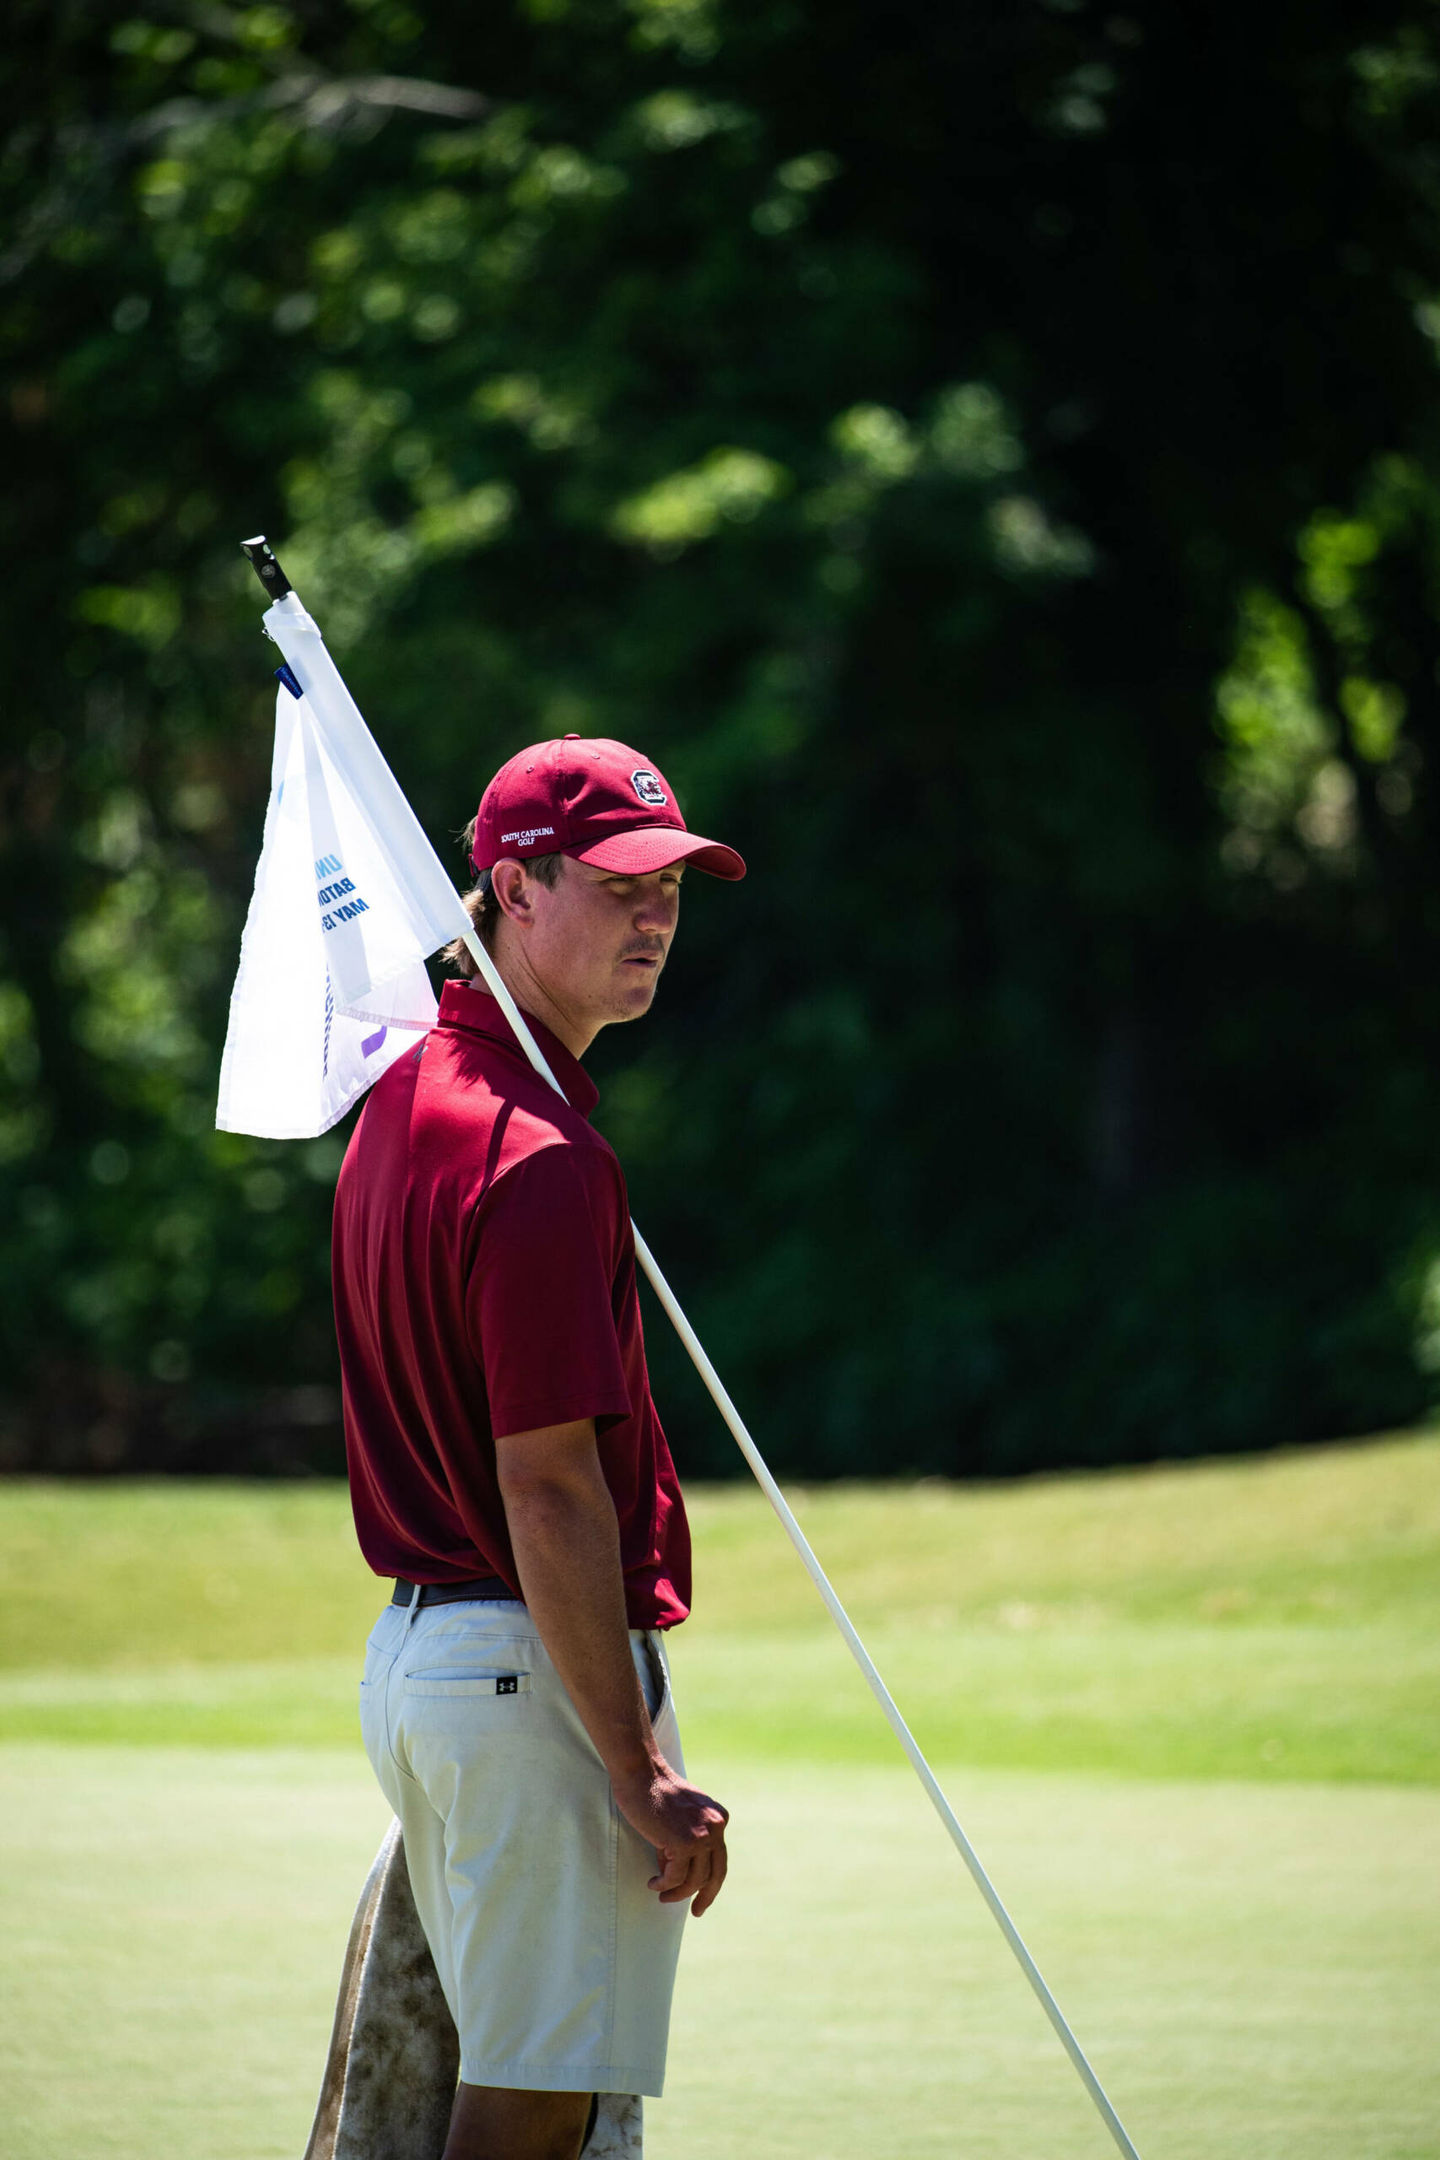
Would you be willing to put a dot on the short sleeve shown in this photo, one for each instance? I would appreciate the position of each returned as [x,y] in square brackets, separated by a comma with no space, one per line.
[540,1294]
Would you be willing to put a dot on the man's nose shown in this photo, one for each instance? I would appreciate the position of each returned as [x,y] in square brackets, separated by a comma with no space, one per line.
[657,908]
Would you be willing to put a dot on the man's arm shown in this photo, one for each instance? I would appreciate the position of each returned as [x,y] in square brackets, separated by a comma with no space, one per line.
[567,1550]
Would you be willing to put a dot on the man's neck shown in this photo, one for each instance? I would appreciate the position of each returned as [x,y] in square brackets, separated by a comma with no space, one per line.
[535,1002]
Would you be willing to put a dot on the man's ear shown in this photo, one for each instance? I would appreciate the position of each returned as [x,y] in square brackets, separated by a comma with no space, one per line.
[514,890]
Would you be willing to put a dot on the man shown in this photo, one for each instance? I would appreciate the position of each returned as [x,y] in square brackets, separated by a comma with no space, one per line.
[508,1469]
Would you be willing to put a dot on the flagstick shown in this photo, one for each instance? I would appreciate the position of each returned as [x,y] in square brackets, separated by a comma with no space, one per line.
[322,681]
[495,983]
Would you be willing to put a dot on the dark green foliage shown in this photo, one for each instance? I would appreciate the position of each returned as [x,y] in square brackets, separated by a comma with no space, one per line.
[987,456]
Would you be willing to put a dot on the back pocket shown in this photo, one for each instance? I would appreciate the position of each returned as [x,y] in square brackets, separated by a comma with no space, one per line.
[442,1681]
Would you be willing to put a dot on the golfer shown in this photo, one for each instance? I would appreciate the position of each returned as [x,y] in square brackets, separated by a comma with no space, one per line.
[508,1469]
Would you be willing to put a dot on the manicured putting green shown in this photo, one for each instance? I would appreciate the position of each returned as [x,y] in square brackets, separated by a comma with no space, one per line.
[1166,1703]
[1252,1969]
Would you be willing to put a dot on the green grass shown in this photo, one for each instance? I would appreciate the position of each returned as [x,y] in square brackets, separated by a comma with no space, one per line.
[1188,1716]
[1270,1619]
[1252,1969]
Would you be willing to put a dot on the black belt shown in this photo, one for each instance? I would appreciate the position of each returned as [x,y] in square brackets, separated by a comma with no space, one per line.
[489,1587]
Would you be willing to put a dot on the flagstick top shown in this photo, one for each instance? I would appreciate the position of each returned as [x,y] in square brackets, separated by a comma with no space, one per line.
[263,562]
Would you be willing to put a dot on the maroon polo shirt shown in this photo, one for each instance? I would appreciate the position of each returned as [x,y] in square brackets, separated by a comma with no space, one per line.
[484,1274]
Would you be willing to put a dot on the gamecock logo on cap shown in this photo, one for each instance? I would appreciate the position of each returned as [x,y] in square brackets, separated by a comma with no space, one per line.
[647,786]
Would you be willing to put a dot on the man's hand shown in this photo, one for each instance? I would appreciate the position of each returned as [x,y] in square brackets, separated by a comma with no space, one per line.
[687,1829]
[567,1551]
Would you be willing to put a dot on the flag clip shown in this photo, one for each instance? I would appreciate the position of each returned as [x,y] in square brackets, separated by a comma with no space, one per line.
[286,674]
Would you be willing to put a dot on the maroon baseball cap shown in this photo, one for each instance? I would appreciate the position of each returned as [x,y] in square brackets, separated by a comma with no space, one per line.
[596,800]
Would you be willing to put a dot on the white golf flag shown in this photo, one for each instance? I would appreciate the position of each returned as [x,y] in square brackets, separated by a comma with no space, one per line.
[350,899]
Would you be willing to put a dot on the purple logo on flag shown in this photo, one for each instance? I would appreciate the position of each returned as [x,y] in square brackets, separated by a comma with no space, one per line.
[371,1043]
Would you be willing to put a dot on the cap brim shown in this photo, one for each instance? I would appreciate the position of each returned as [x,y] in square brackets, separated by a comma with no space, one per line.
[654,847]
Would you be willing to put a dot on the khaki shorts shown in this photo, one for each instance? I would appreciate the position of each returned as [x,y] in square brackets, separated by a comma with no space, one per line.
[557,1962]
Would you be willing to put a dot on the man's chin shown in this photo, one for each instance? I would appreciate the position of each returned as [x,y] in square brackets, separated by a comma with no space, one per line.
[635,998]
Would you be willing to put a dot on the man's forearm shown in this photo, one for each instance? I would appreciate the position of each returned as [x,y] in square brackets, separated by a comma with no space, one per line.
[566,1543]
[567,1550]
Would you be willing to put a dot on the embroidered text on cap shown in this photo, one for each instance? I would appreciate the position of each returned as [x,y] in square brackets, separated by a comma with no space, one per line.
[647,786]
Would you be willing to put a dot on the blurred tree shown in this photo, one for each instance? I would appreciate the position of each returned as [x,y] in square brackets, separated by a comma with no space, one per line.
[987,459]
